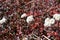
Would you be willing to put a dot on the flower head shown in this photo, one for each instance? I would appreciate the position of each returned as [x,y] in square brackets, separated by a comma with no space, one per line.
[56,16]
[23,15]
[52,21]
[29,18]
[49,22]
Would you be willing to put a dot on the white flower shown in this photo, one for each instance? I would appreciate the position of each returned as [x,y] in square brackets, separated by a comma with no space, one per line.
[56,16]
[29,18]
[52,21]
[3,20]
[23,15]
[49,22]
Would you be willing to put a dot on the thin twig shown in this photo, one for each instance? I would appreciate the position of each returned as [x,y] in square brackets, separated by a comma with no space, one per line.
[46,37]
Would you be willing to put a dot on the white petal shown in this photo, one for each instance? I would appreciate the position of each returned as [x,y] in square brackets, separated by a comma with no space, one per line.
[2,20]
[47,24]
[47,20]
[29,18]
[23,15]
[56,16]
[52,21]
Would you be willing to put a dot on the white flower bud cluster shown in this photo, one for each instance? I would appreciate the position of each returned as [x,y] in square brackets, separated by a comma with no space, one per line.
[50,21]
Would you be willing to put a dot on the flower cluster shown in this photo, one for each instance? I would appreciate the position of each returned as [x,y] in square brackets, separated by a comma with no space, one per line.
[49,22]
[29,20]
[56,16]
